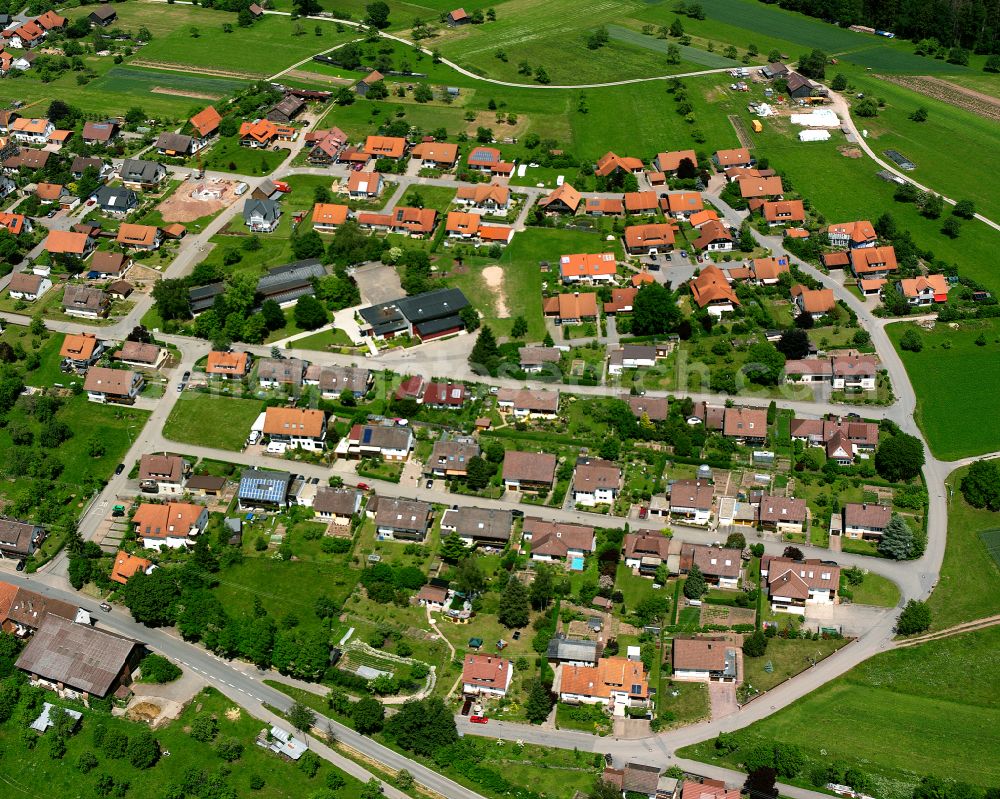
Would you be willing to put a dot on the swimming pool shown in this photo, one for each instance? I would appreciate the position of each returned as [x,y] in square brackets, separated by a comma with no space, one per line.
[576,564]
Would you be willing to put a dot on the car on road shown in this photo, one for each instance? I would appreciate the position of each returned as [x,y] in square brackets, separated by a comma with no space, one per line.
[120,468]
[186,376]
[429,484]
[478,719]
[643,512]
[118,511]
[364,486]
[20,566]
[105,607]
[684,253]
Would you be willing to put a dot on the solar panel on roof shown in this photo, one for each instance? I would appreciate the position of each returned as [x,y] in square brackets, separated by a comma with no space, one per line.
[366,436]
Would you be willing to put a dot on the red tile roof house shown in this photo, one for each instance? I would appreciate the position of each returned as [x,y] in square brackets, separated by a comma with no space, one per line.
[671,161]
[529,471]
[364,185]
[714,237]
[392,147]
[794,585]
[646,550]
[711,290]
[705,660]
[615,682]
[603,206]
[537,359]
[636,778]
[852,234]
[865,520]
[571,308]
[747,425]
[751,187]
[923,291]
[641,202]
[707,789]
[815,302]
[410,388]
[145,356]
[437,155]
[873,261]
[558,541]
[596,482]
[723,159]
[720,565]
[486,675]
[228,365]
[856,438]
[682,205]
[563,199]
[690,501]
[782,514]
[171,525]
[527,403]
[783,212]
[484,198]
[445,395]
[656,409]
[649,239]
[610,163]
[621,300]
[302,428]
[588,268]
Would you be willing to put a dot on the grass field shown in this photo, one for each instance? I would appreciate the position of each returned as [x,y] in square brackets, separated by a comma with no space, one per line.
[692,55]
[210,421]
[227,155]
[969,585]
[899,716]
[267,47]
[956,381]
[787,657]
[937,146]
[23,769]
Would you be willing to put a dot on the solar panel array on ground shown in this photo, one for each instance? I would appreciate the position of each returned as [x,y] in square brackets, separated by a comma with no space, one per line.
[991,538]
[901,160]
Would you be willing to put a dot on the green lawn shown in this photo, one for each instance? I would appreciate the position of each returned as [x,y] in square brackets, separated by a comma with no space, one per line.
[23,769]
[211,421]
[323,341]
[587,718]
[266,47]
[874,590]
[691,704]
[787,657]
[956,381]
[898,716]
[969,585]
[228,156]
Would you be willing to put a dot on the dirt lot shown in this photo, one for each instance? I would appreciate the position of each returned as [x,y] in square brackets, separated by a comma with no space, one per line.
[194,200]
[970,100]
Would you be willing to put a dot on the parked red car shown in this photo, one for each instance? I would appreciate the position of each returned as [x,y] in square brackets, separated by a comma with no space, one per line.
[478,719]
[363,486]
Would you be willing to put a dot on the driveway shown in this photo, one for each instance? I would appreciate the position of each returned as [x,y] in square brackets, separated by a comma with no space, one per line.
[378,283]
[722,696]
[855,620]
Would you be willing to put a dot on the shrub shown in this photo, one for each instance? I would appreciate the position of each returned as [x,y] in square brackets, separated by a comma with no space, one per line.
[157,669]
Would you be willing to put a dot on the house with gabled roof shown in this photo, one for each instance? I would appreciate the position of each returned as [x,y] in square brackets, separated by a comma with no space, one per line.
[783,212]
[301,428]
[388,442]
[746,425]
[815,302]
[528,471]
[609,163]
[705,660]
[436,154]
[492,198]
[162,474]
[106,386]
[364,185]
[922,290]
[80,350]
[596,482]
[711,291]
[392,147]
[615,682]
[794,585]
[869,262]
[571,308]
[488,526]
[588,267]
[141,175]
[287,373]
[671,161]
[27,286]
[206,121]
[528,403]
[714,236]
[691,501]
[682,204]
[450,457]
[646,550]
[486,675]
[85,301]
[100,133]
[649,239]
[127,566]
[563,199]
[852,234]
[558,541]
[730,158]
[398,519]
[228,365]
[139,237]
[721,566]
[865,520]
[327,217]
[782,514]
[337,505]
[171,524]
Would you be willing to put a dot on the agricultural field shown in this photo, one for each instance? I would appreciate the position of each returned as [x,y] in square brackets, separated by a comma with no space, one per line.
[211,421]
[953,372]
[969,586]
[899,716]
[275,42]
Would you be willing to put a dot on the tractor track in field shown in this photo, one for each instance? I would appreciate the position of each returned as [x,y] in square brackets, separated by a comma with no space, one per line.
[978,103]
